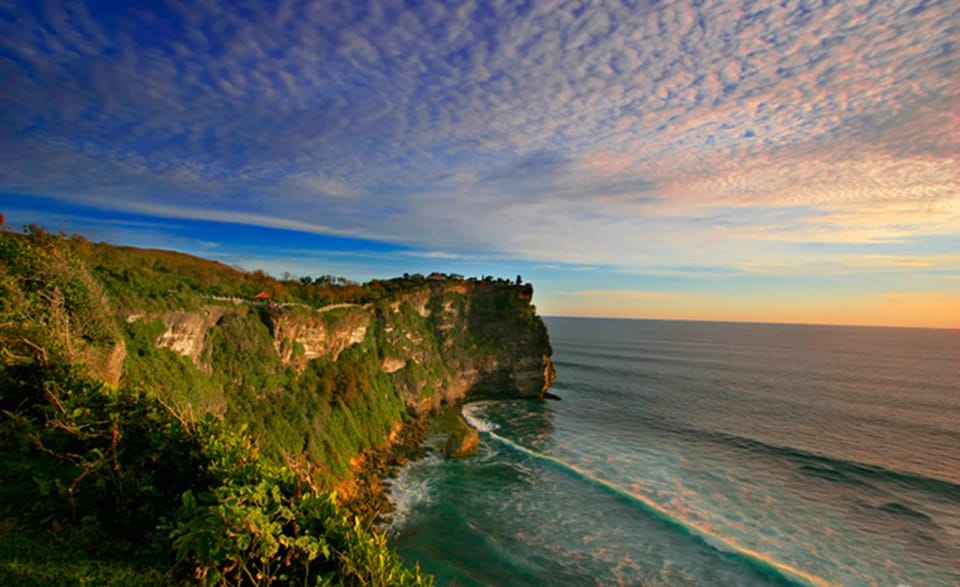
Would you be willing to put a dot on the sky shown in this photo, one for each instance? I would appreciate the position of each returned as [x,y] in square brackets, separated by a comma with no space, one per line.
[788,161]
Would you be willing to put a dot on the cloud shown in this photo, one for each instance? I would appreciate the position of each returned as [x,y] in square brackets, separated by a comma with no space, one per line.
[862,264]
[225,216]
[622,134]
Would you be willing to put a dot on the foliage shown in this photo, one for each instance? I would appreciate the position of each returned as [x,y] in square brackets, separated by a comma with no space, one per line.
[330,412]
[334,410]
[209,472]
[31,557]
[167,373]
[116,471]
[245,365]
[49,304]
[100,484]
[154,280]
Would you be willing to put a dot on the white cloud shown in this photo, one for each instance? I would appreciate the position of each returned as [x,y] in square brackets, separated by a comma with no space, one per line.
[600,136]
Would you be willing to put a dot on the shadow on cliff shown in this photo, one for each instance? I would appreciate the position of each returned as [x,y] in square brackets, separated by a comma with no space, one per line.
[502,323]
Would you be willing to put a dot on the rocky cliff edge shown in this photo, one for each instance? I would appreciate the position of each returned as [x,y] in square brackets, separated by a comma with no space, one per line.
[442,343]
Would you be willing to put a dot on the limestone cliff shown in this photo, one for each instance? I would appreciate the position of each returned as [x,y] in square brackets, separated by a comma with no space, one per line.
[442,343]
[314,371]
[186,333]
[465,340]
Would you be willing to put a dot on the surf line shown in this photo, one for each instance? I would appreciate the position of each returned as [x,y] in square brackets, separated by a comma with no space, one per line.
[790,572]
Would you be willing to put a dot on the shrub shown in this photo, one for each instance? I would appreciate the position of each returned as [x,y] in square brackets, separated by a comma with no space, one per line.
[118,471]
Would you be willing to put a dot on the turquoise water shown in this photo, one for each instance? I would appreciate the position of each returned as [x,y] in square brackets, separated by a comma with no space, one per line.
[688,453]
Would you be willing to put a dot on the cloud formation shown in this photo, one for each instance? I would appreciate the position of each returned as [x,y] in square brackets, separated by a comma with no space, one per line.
[634,134]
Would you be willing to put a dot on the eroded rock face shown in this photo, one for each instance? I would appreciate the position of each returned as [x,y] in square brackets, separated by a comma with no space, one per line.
[440,344]
[186,333]
[463,442]
[302,335]
[467,340]
[392,364]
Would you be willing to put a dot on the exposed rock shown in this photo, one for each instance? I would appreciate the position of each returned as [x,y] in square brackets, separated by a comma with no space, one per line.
[392,364]
[186,332]
[442,343]
[463,441]
[313,334]
[364,493]
[485,337]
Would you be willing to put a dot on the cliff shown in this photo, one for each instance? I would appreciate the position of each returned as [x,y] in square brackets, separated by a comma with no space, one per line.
[441,343]
[316,375]
[159,425]
[327,383]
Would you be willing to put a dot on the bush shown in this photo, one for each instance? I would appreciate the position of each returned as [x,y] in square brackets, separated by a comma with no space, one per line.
[116,471]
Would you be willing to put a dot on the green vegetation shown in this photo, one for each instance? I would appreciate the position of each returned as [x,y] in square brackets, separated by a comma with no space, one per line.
[144,279]
[215,464]
[131,488]
[107,485]
[32,557]
[167,373]
[335,410]
[49,303]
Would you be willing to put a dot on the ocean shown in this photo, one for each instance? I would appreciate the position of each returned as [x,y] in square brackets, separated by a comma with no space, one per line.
[713,454]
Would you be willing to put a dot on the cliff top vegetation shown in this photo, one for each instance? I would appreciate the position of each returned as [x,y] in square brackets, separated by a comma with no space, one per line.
[105,484]
[122,459]
[152,279]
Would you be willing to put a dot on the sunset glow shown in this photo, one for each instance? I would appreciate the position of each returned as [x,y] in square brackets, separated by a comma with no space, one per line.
[741,161]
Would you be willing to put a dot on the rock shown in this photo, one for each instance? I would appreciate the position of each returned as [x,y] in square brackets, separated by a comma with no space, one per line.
[185,333]
[462,442]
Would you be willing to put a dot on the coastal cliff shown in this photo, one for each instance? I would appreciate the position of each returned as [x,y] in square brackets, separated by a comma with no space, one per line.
[174,419]
[441,343]
[329,383]
[316,371]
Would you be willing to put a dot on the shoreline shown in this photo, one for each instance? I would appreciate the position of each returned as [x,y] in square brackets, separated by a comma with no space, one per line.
[364,494]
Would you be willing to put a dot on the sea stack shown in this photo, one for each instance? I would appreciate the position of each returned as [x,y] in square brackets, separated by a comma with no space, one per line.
[463,441]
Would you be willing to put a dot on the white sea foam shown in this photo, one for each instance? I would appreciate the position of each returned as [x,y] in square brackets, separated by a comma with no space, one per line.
[705,532]
[472,413]
[411,490]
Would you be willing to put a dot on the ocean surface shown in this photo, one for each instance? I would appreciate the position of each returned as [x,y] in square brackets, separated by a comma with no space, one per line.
[713,454]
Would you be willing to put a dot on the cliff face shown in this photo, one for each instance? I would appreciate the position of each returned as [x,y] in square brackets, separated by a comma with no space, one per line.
[442,343]
[310,385]
[301,335]
[473,340]
[186,333]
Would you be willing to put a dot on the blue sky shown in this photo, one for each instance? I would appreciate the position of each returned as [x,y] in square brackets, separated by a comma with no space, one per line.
[784,161]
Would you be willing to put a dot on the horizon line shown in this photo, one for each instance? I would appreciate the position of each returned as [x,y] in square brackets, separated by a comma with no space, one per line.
[758,322]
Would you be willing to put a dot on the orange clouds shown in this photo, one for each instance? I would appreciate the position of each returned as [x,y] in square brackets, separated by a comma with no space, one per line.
[607,163]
